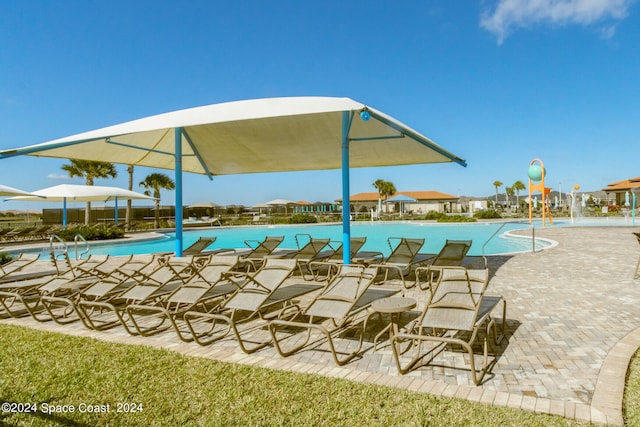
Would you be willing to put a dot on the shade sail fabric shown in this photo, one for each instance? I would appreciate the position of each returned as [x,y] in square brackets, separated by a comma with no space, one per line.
[82,193]
[401,198]
[261,135]
[280,202]
[10,191]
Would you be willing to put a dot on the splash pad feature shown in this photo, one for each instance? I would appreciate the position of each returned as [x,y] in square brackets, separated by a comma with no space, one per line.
[536,175]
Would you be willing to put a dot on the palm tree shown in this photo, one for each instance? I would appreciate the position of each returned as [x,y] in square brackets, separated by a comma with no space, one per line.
[509,191]
[385,188]
[155,182]
[518,186]
[497,184]
[90,170]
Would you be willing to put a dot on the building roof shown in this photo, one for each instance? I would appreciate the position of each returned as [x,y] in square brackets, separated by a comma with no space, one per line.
[627,184]
[373,196]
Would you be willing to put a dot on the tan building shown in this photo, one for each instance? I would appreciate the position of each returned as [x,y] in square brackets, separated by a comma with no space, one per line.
[425,201]
[624,190]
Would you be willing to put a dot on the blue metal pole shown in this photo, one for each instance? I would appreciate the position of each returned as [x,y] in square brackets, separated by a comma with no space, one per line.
[346,203]
[115,215]
[64,213]
[178,176]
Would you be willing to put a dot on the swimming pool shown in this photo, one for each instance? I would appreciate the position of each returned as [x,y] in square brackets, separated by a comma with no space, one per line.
[377,234]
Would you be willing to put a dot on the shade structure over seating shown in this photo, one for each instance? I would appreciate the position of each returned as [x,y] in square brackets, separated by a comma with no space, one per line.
[10,191]
[402,199]
[253,136]
[82,193]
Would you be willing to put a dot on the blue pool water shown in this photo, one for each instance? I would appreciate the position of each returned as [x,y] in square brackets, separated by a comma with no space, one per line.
[377,235]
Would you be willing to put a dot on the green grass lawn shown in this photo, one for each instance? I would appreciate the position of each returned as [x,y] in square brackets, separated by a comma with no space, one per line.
[168,389]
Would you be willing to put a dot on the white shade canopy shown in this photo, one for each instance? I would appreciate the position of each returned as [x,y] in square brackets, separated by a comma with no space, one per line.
[280,202]
[260,135]
[81,193]
[10,191]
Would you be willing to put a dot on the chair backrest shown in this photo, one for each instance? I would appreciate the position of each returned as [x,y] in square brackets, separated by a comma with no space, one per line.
[356,244]
[405,251]
[19,263]
[453,253]
[265,247]
[342,293]
[199,245]
[637,236]
[262,284]
[213,270]
[312,248]
[454,300]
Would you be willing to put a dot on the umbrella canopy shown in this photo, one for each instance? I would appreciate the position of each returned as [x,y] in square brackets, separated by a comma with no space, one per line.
[10,191]
[260,135]
[280,202]
[209,205]
[82,193]
[401,198]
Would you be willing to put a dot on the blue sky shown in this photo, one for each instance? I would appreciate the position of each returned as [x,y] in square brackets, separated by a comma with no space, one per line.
[497,82]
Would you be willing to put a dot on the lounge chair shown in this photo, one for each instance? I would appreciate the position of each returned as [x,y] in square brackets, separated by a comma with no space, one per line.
[310,252]
[456,311]
[17,264]
[452,254]
[252,258]
[404,258]
[330,259]
[164,279]
[198,246]
[24,296]
[204,292]
[340,307]
[257,293]
[636,274]
[106,288]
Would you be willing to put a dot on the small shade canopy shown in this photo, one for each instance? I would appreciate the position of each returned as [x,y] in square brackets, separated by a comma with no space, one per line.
[10,191]
[82,193]
[252,136]
[401,198]
[280,202]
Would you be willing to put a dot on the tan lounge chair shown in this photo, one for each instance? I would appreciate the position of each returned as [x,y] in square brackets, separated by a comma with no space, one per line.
[404,258]
[456,311]
[204,291]
[104,288]
[19,298]
[452,254]
[252,258]
[17,264]
[308,253]
[100,315]
[198,246]
[258,292]
[340,307]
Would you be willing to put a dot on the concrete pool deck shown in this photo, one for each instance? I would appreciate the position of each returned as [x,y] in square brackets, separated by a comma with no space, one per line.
[573,324]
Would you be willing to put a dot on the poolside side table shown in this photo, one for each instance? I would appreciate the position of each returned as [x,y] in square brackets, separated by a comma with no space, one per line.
[394,306]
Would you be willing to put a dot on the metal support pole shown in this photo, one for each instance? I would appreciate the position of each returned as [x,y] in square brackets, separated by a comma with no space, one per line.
[346,203]
[178,176]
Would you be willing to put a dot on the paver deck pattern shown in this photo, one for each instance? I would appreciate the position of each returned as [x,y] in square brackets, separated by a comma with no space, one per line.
[573,324]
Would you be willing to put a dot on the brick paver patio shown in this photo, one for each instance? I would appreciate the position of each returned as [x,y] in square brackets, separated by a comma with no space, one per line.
[573,325]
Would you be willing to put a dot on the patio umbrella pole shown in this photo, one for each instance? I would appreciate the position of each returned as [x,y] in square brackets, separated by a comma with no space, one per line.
[178,175]
[346,203]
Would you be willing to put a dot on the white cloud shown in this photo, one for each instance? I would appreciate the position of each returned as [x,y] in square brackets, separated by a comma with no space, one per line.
[511,14]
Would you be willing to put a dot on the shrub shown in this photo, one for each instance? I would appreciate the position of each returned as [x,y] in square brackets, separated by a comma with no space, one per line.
[433,215]
[302,219]
[5,258]
[487,214]
[456,218]
[97,232]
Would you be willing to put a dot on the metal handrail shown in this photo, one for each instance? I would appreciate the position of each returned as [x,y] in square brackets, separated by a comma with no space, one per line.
[491,237]
[62,246]
[80,238]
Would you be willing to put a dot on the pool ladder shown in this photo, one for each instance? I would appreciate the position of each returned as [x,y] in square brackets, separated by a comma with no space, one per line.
[58,248]
[495,233]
